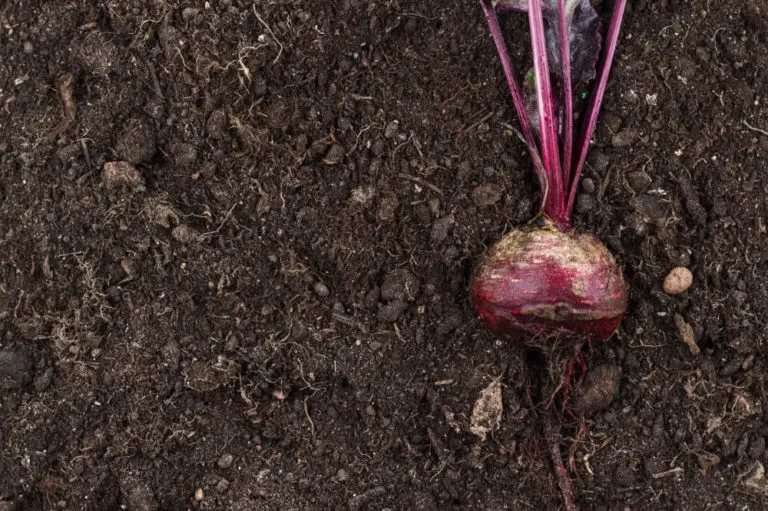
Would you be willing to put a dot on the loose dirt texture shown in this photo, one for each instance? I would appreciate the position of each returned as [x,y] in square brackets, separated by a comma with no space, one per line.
[264,304]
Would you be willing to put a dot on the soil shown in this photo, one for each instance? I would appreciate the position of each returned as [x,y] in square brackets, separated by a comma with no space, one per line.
[237,239]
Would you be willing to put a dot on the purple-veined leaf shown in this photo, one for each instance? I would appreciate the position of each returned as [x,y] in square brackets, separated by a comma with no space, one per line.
[583,26]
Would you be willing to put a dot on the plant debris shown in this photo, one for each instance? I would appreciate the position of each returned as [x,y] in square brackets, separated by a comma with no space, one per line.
[486,414]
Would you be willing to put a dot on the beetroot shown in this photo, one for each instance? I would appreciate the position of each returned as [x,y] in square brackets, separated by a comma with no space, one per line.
[542,281]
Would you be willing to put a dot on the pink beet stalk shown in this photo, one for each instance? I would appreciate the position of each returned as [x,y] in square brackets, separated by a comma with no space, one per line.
[554,206]
[565,50]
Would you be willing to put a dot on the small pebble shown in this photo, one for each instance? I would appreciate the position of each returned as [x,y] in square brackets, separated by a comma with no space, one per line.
[199,494]
[225,461]
[321,289]
[391,129]
[335,155]
[118,173]
[678,280]
[222,486]
[588,185]
[599,389]
[342,475]
[486,195]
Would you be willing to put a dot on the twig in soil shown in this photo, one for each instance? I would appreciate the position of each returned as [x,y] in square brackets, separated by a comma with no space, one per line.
[18,304]
[274,38]
[303,378]
[86,152]
[184,62]
[753,128]
[563,481]
[156,88]
[441,451]
[346,320]
[306,412]
[359,134]
[208,234]
[241,55]
[475,124]
[420,181]
[668,473]
[68,109]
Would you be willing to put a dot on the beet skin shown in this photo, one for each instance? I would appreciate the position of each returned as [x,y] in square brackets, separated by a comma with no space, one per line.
[547,282]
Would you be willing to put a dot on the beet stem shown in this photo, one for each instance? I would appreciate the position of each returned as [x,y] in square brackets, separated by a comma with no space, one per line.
[517,96]
[565,56]
[555,206]
[597,99]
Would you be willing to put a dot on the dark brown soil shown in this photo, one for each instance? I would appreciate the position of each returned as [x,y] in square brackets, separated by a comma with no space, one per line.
[264,305]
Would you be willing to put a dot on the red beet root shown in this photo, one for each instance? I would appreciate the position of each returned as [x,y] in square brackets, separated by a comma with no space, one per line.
[545,281]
